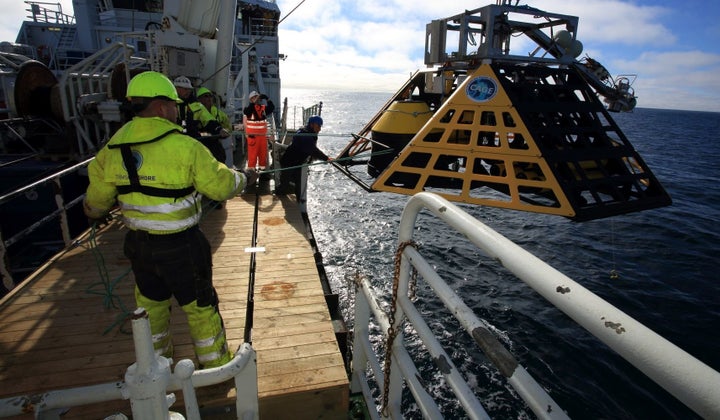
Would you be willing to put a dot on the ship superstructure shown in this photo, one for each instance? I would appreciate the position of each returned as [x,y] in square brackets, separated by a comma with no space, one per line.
[72,70]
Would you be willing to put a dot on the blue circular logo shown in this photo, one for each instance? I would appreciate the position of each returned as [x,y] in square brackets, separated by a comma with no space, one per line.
[481,89]
[137,158]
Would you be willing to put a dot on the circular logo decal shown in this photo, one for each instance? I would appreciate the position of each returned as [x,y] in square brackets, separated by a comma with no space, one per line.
[481,89]
[138,158]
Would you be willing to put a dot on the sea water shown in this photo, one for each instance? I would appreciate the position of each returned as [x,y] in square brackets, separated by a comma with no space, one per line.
[666,260]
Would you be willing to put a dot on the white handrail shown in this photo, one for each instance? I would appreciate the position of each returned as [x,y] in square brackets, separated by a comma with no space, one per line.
[147,383]
[691,381]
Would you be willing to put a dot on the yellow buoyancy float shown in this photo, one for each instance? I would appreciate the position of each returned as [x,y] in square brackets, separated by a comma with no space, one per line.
[394,130]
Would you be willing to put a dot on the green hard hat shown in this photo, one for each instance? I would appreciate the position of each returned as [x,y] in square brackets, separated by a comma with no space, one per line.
[151,84]
[203,91]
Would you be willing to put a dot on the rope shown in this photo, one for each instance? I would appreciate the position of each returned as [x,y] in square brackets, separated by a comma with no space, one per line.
[250,308]
[322,162]
[276,131]
[251,45]
[613,272]
[110,299]
[414,114]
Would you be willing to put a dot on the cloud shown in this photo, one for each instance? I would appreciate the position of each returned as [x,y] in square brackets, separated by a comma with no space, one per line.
[628,38]
[679,80]
[10,19]
[375,45]
[615,22]
[666,63]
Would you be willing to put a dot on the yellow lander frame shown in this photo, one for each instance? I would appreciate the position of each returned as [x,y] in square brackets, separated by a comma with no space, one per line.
[525,138]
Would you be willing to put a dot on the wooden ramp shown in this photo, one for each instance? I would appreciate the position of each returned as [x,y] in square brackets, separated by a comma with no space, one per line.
[64,327]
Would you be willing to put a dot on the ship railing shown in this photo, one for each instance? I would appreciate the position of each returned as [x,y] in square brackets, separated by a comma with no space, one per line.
[59,215]
[149,384]
[298,115]
[263,27]
[308,112]
[687,378]
[42,12]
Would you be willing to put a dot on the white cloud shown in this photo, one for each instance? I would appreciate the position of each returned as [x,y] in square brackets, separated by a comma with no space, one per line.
[629,38]
[374,45]
[681,80]
[677,62]
[615,22]
[11,18]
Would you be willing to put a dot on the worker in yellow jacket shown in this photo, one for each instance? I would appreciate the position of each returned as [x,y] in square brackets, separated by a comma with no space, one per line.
[157,176]
[206,97]
[196,119]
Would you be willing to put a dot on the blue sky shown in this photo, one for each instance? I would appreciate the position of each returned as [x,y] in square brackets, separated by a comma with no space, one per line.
[371,45]
[374,45]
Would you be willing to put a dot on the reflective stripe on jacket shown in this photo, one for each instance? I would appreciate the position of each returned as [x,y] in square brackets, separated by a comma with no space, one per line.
[174,162]
[256,127]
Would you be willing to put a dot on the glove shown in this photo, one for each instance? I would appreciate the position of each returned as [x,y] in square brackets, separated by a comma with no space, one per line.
[251,175]
[263,96]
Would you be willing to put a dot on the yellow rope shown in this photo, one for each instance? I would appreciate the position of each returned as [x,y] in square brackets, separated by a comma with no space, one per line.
[613,272]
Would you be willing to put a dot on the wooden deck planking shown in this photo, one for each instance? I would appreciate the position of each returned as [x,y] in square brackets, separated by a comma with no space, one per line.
[51,330]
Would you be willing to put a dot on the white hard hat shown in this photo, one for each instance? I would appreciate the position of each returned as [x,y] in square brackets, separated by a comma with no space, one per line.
[253,94]
[183,82]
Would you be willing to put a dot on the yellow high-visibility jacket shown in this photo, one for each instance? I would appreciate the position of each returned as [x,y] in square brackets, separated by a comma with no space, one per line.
[171,168]
[221,117]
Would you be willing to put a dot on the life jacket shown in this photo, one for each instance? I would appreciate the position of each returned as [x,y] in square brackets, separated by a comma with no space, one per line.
[256,125]
[258,113]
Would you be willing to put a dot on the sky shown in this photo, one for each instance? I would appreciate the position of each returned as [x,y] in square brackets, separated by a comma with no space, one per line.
[672,46]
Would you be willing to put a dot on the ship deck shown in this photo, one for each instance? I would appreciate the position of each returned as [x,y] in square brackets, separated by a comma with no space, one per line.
[60,329]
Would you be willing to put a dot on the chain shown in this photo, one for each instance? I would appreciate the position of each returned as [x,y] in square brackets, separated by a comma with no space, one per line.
[392,332]
[412,284]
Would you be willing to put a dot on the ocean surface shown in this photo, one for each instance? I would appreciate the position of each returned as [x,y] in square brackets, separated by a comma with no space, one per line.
[666,260]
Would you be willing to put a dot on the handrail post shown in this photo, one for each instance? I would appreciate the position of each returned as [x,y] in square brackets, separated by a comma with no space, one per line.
[64,226]
[362,323]
[246,387]
[148,378]
[303,187]
[183,372]
[4,269]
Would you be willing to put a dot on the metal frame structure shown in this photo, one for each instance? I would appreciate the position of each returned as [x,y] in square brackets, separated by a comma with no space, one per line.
[524,132]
